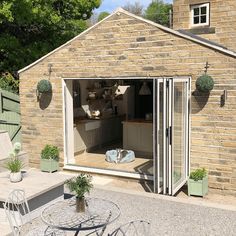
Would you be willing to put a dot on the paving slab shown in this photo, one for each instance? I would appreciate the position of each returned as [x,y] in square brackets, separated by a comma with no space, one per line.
[40,187]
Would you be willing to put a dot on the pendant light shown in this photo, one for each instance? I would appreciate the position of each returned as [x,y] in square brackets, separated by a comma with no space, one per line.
[145,90]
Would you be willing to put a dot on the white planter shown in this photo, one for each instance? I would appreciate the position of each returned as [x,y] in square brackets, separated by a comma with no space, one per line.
[15,177]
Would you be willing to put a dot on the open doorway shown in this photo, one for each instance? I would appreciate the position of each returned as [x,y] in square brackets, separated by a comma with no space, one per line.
[112,125]
[135,128]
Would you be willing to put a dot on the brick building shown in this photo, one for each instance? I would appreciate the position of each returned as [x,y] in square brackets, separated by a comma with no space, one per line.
[211,19]
[126,50]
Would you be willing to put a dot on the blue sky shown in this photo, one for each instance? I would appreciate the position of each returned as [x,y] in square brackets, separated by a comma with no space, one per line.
[111,5]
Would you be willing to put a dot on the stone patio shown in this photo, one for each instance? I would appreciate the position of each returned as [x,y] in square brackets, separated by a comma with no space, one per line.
[179,215]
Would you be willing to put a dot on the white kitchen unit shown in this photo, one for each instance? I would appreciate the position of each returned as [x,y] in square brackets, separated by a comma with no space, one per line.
[137,136]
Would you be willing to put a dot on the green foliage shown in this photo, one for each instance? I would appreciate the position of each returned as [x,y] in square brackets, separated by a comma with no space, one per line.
[103,15]
[14,164]
[198,174]
[50,152]
[158,11]
[80,185]
[9,83]
[204,83]
[30,29]
[44,86]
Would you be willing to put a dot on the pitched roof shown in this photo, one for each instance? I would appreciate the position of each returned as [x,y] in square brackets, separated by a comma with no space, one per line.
[180,33]
[204,40]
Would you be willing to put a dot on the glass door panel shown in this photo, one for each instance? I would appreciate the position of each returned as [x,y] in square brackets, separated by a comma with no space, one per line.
[179,132]
[159,134]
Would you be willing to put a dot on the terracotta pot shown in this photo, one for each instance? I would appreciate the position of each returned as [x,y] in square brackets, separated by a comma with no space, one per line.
[15,177]
[80,204]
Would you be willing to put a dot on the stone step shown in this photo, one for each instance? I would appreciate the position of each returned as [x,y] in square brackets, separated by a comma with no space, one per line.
[117,181]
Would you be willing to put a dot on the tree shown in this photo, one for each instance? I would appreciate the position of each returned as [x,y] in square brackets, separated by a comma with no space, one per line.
[32,28]
[103,15]
[158,11]
[135,8]
[8,83]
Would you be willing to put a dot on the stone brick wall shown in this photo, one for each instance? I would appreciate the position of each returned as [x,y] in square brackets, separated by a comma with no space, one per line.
[123,46]
[222,20]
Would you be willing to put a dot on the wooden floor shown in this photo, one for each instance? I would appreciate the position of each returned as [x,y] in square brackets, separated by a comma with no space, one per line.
[96,159]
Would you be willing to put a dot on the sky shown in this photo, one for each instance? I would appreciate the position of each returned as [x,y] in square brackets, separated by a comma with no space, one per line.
[111,5]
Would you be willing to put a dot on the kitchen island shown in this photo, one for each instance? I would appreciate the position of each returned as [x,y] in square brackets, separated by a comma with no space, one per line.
[137,136]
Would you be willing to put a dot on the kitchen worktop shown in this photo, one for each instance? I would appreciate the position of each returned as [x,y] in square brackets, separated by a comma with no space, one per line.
[139,121]
[82,120]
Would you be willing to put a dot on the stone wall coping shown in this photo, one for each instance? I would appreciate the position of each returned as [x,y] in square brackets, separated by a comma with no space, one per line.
[34,183]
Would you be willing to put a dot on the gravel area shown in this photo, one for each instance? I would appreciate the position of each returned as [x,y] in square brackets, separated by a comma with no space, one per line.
[169,217]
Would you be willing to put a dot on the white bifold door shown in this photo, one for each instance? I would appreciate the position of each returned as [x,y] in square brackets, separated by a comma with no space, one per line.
[171,134]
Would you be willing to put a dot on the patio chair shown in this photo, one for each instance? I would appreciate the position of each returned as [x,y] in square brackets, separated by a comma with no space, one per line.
[133,228]
[19,216]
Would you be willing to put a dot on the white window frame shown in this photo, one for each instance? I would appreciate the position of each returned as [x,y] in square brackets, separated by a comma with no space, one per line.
[207,23]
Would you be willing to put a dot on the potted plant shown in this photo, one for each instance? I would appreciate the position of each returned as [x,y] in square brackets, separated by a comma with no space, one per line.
[49,158]
[14,165]
[198,182]
[80,185]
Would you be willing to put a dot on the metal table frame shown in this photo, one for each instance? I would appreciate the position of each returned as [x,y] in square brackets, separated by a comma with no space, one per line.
[98,214]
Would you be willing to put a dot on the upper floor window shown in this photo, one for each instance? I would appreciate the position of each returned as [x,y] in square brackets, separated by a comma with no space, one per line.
[200,15]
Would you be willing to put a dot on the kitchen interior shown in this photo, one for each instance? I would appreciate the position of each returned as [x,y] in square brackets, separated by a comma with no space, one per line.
[113,124]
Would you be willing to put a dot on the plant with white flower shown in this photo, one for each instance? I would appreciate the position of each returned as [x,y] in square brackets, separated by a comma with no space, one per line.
[14,164]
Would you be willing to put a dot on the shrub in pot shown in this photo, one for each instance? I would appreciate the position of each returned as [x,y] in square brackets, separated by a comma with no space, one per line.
[14,164]
[198,182]
[49,158]
[80,185]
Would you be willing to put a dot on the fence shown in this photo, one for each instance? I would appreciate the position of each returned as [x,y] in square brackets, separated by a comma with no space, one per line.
[10,115]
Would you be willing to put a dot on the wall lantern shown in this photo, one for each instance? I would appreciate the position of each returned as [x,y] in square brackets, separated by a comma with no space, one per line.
[204,83]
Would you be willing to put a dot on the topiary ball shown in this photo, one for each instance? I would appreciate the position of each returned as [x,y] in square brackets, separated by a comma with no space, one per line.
[44,86]
[204,84]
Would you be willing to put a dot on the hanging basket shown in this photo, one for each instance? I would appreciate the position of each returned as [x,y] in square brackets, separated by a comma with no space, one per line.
[204,84]
[44,86]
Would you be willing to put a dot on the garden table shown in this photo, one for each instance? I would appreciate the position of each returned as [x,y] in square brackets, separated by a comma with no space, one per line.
[98,214]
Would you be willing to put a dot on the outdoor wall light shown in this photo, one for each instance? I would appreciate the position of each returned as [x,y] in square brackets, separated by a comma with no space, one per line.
[223,98]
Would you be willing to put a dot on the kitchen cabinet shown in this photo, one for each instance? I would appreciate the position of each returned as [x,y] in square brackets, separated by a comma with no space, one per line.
[137,136]
[89,134]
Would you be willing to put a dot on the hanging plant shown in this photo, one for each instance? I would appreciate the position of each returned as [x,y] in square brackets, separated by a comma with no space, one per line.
[204,83]
[44,86]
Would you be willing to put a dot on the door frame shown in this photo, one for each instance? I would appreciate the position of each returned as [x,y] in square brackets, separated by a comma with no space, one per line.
[176,188]
[67,121]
